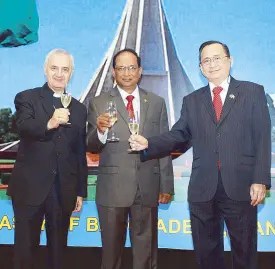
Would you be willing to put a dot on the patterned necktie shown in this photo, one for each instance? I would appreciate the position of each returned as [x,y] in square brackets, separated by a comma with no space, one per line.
[217,102]
[130,107]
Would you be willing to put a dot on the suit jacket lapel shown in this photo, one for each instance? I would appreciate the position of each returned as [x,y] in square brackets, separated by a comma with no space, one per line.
[115,95]
[230,99]
[143,108]
[46,95]
[207,100]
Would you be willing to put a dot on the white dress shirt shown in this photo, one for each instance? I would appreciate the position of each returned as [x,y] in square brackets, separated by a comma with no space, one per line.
[136,100]
[224,85]
[136,106]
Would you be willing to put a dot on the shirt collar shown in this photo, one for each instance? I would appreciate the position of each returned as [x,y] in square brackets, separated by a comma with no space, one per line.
[124,94]
[224,84]
[57,95]
[52,92]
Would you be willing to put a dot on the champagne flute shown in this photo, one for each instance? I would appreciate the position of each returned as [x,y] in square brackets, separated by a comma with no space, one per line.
[112,111]
[133,123]
[66,99]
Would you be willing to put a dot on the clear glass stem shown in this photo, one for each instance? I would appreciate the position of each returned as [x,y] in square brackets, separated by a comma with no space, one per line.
[113,132]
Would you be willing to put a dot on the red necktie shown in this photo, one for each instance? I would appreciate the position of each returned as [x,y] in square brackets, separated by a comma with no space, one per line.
[217,102]
[130,107]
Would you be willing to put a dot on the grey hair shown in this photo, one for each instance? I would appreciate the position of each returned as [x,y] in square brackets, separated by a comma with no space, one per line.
[59,51]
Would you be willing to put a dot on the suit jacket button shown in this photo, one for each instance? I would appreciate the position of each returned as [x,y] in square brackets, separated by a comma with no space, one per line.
[59,137]
[54,172]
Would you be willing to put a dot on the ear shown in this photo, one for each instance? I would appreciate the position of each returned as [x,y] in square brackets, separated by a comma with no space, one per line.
[113,73]
[45,70]
[140,71]
[231,61]
[71,74]
[201,68]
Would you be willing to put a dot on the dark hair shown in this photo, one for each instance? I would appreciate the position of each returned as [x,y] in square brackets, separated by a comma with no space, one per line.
[211,42]
[126,50]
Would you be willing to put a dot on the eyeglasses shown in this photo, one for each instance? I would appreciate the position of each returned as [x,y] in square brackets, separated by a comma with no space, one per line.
[131,68]
[214,60]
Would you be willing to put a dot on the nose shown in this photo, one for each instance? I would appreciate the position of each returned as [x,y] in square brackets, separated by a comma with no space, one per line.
[126,72]
[212,63]
[59,72]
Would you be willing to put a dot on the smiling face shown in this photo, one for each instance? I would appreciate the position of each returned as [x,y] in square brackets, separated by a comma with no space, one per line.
[126,71]
[58,70]
[215,64]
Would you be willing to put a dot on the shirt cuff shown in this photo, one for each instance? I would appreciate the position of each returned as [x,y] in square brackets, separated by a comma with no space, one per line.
[144,155]
[102,137]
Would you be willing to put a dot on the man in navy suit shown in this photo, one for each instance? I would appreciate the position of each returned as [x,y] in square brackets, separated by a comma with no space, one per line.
[228,124]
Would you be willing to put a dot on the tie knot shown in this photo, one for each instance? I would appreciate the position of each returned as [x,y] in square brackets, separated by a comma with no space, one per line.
[130,98]
[217,90]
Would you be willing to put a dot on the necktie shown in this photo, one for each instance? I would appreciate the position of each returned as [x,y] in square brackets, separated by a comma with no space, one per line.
[130,107]
[217,102]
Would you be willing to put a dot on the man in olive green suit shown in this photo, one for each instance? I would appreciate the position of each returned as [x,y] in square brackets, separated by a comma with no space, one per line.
[127,187]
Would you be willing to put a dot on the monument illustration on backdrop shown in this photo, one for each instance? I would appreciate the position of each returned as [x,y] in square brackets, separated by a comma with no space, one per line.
[144,28]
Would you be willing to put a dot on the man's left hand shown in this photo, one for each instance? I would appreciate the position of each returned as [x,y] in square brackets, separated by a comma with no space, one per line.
[138,142]
[257,193]
[164,198]
[78,204]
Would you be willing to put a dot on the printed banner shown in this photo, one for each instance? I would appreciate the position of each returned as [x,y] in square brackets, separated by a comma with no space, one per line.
[174,225]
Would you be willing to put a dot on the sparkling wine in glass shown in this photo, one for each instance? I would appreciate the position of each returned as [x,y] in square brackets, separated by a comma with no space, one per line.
[134,127]
[112,111]
[113,117]
[66,99]
[133,123]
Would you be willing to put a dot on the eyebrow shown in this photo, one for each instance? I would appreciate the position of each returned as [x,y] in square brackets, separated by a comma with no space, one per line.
[63,67]
[212,56]
[126,65]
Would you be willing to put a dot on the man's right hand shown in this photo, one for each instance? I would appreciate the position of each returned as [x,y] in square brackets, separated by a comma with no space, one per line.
[103,122]
[138,142]
[60,116]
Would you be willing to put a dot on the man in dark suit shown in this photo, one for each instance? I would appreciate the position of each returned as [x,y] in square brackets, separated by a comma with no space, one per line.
[126,187]
[50,173]
[229,126]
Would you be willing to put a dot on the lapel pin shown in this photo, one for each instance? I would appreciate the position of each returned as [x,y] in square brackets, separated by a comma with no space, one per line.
[232,96]
[145,100]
